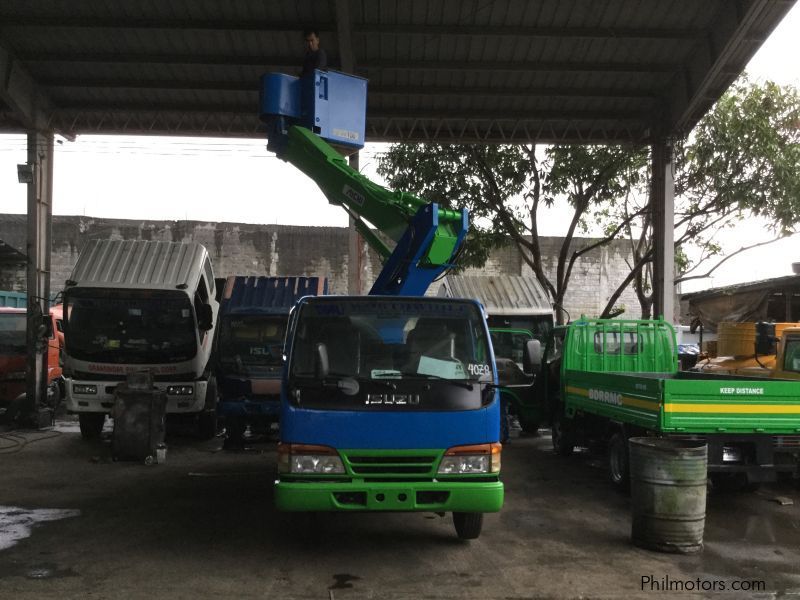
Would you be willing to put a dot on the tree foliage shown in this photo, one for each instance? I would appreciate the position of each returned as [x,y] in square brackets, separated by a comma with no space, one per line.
[505,186]
[742,159]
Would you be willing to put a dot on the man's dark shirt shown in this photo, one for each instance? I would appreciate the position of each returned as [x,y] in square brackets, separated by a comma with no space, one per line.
[314,59]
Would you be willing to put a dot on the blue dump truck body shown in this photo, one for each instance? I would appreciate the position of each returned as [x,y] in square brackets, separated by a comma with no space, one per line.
[249,352]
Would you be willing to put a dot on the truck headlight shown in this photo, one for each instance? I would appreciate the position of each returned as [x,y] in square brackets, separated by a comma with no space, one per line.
[180,390]
[471,460]
[309,460]
[82,388]
[731,454]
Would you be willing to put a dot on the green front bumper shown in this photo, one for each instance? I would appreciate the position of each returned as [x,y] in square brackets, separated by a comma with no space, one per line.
[439,496]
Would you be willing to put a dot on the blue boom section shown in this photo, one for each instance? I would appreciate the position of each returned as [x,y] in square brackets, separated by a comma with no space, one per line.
[401,275]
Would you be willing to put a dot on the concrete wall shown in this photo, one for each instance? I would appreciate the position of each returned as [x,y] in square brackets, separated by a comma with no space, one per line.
[247,249]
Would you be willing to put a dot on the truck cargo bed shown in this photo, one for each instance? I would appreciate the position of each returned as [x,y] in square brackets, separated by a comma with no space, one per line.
[688,402]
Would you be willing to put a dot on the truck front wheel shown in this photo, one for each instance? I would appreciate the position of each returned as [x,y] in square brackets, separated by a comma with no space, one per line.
[468,525]
[562,440]
[91,425]
[618,464]
[207,424]
[207,419]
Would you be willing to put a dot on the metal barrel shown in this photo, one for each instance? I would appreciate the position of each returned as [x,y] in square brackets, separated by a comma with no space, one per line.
[668,494]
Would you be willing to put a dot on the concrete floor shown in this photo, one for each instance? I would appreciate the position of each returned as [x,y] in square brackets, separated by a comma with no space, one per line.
[202,525]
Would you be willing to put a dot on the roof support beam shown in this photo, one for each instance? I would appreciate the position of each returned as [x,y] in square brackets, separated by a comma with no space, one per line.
[355,244]
[387,129]
[377,112]
[19,91]
[583,33]
[38,248]
[418,65]
[158,59]
[132,23]
[271,26]
[712,59]
[344,34]
[662,205]
[239,86]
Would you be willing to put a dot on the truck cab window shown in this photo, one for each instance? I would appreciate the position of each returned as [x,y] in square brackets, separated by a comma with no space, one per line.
[626,342]
[200,299]
[209,279]
[792,359]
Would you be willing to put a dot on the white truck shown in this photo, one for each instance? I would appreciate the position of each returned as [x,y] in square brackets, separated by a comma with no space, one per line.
[134,305]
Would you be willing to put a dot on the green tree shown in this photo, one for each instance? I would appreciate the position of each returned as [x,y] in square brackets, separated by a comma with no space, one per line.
[742,160]
[504,187]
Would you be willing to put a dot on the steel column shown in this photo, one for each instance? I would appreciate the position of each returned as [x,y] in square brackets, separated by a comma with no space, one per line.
[355,246]
[40,197]
[662,203]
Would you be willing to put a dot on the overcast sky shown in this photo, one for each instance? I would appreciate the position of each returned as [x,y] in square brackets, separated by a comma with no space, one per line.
[238,180]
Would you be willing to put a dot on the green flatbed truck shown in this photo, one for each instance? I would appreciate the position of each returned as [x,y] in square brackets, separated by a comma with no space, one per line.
[604,381]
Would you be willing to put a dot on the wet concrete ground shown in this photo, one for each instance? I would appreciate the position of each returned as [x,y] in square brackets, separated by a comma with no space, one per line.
[202,525]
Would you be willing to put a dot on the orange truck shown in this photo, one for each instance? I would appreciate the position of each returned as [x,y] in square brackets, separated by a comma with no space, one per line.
[13,360]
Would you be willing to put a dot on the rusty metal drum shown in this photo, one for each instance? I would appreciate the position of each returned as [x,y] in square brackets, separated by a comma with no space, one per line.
[668,494]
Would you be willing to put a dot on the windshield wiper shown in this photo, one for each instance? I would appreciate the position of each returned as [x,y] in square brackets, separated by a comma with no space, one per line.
[467,385]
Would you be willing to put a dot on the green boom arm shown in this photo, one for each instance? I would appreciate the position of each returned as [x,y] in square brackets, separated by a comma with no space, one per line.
[390,212]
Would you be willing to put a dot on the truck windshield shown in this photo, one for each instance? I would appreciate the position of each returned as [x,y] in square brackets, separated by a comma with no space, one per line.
[130,326]
[12,332]
[391,339]
[249,342]
[538,325]
[792,354]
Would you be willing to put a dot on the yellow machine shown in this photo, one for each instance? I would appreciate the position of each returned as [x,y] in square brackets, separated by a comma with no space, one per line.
[736,352]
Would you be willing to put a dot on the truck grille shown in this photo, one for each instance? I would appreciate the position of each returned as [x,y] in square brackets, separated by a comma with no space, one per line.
[390,465]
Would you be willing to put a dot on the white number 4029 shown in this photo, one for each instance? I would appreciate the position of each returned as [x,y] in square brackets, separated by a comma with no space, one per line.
[475,369]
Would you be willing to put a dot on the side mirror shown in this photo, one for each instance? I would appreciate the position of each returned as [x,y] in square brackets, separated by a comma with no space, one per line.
[531,356]
[47,326]
[766,342]
[321,365]
[205,317]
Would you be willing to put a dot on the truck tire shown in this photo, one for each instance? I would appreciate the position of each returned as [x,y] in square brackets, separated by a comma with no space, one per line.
[53,395]
[207,420]
[529,426]
[733,482]
[234,432]
[207,424]
[91,425]
[468,525]
[562,440]
[618,462]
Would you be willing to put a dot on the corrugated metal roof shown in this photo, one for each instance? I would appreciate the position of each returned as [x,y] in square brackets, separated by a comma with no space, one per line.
[269,295]
[450,70]
[10,255]
[139,263]
[500,294]
[779,284]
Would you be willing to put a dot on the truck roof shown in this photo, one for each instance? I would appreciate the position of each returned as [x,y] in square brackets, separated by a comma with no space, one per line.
[500,294]
[135,264]
[268,295]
